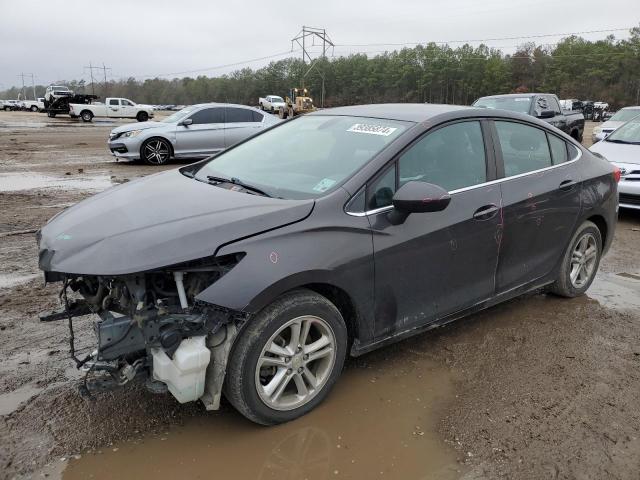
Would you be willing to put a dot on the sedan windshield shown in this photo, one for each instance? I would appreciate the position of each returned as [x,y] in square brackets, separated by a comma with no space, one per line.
[627,133]
[625,115]
[277,99]
[306,157]
[513,104]
[179,115]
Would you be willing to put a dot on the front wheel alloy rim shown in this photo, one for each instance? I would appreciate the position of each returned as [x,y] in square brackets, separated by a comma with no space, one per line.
[583,260]
[156,152]
[295,363]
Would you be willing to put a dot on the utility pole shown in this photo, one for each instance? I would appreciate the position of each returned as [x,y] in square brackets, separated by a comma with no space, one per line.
[91,67]
[33,84]
[104,71]
[301,40]
[22,75]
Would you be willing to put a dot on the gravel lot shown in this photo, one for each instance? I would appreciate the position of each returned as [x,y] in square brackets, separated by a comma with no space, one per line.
[539,387]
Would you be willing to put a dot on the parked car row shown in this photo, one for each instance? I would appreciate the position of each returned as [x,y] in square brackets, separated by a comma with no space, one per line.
[14,105]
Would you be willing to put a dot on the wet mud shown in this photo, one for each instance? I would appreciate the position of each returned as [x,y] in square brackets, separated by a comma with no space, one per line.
[539,387]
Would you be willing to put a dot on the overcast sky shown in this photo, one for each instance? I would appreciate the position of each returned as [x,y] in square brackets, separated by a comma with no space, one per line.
[144,38]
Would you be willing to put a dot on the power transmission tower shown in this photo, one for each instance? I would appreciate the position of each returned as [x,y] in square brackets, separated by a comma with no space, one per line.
[104,69]
[306,38]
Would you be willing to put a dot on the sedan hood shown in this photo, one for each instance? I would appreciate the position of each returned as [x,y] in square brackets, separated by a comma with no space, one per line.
[137,126]
[617,152]
[156,221]
[611,125]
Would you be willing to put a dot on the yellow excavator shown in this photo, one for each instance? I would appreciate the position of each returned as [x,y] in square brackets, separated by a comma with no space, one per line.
[297,102]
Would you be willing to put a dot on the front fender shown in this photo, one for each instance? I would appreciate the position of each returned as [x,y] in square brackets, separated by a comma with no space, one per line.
[300,254]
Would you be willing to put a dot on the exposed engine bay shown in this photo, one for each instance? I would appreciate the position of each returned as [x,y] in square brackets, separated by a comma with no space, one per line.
[149,326]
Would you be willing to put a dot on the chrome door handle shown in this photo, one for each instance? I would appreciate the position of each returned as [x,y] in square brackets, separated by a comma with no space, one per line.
[486,212]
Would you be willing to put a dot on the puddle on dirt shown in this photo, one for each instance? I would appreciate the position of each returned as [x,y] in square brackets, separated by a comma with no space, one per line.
[10,401]
[375,424]
[10,280]
[616,290]
[14,182]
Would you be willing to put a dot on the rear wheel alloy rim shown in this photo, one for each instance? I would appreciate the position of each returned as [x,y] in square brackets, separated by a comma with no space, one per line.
[295,363]
[583,260]
[156,151]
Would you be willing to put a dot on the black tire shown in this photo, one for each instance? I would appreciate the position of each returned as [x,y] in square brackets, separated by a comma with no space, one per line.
[282,113]
[33,108]
[563,286]
[142,116]
[156,151]
[86,116]
[240,382]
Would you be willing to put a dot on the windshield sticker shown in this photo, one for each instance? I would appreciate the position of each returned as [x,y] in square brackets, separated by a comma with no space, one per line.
[522,99]
[324,185]
[372,129]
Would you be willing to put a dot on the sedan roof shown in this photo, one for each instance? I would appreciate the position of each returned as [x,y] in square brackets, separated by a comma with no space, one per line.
[411,112]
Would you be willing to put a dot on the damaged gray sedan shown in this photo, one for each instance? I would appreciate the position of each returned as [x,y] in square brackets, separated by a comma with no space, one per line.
[254,273]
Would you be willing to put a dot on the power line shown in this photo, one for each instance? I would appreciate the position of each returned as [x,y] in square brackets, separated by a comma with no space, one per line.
[483,39]
[217,67]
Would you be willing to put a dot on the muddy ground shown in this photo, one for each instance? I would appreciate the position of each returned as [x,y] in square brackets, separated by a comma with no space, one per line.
[540,387]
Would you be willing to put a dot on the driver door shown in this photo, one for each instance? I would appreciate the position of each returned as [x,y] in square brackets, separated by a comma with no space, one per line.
[436,264]
[127,109]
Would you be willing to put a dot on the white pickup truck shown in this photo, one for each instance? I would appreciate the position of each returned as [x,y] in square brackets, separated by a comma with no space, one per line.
[112,108]
[271,103]
[34,105]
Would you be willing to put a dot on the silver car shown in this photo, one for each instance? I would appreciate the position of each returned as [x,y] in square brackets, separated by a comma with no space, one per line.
[197,131]
[621,116]
[622,148]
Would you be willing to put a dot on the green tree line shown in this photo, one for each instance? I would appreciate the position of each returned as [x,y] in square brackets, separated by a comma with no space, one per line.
[606,70]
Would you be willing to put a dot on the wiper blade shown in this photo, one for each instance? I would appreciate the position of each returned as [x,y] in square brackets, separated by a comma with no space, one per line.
[620,141]
[236,181]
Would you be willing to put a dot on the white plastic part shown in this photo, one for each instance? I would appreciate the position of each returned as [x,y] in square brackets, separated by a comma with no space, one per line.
[178,276]
[185,374]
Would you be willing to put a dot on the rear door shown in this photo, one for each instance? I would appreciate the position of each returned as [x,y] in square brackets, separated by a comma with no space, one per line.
[204,136]
[435,264]
[541,201]
[113,107]
[240,124]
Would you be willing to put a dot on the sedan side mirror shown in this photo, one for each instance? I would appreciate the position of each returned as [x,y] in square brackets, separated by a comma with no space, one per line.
[418,197]
[547,114]
[186,122]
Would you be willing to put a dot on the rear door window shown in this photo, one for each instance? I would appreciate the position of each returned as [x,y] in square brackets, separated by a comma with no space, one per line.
[452,157]
[558,149]
[114,101]
[524,148]
[207,116]
[239,115]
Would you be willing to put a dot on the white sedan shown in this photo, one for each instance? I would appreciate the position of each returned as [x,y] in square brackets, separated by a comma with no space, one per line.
[622,148]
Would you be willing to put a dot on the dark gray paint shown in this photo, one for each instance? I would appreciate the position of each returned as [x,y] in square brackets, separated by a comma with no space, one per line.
[399,279]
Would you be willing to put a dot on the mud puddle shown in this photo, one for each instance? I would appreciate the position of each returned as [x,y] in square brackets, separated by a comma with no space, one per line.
[620,291]
[15,182]
[375,424]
